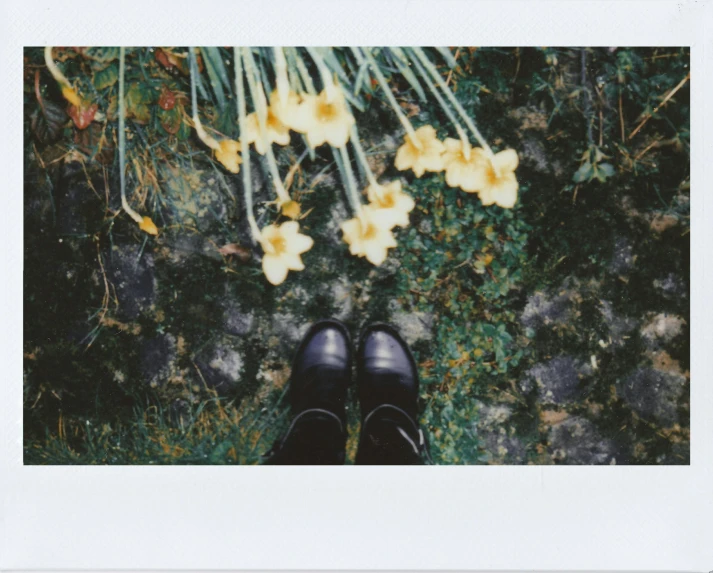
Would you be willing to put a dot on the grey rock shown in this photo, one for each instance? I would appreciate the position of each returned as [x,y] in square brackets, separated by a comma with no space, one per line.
[502,448]
[622,259]
[661,329]
[221,365]
[619,326]
[541,310]
[653,394]
[671,287]
[414,326]
[558,381]
[133,278]
[157,358]
[333,227]
[184,246]
[576,441]
[342,298]
[289,329]
[236,321]
[535,155]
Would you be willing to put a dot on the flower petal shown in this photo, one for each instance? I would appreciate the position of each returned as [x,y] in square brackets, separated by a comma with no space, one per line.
[505,161]
[300,244]
[375,253]
[274,268]
[293,261]
[505,192]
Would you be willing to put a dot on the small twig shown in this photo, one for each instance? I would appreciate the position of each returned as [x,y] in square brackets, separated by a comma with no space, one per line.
[621,118]
[450,73]
[663,103]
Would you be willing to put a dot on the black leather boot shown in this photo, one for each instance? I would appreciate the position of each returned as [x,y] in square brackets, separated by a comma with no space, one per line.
[321,372]
[387,381]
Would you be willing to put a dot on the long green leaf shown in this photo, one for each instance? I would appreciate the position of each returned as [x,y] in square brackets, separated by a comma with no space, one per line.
[403,65]
[214,79]
[447,56]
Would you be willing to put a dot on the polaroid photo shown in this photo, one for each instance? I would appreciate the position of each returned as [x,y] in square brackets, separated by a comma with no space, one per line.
[276,259]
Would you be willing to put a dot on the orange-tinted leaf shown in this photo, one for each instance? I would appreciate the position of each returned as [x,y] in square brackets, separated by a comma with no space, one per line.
[83,115]
[167,100]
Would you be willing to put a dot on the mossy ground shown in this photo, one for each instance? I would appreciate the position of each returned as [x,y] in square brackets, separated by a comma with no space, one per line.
[555,332]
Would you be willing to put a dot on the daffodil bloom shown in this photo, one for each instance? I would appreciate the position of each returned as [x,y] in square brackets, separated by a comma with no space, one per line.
[392,202]
[228,153]
[283,246]
[498,183]
[275,131]
[422,154]
[286,111]
[290,209]
[369,234]
[148,226]
[324,118]
[463,165]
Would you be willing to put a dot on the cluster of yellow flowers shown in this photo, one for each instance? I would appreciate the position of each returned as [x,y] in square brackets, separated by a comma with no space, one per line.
[369,234]
[325,118]
[474,170]
[322,118]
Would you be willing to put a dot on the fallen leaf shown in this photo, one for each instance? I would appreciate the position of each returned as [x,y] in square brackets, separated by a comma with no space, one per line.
[242,253]
[83,115]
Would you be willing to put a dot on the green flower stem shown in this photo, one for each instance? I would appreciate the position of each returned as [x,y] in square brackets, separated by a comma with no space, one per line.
[258,95]
[303,71]
[245,146]
[361,156]
[389,96]
[202,134]
[419,53]
[282,81]
[53,69]
[327,82]
[122,140]
[341,158]
[446,108]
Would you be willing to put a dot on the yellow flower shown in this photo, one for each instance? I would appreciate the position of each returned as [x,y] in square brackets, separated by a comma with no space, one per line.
[228,155]
[324,118]
[275,131]
[148,226]
[427,158]
[71,96]
[464,168]
[391,202]
[290,209]
[498,183]
[369,234]
[287,111]
[283,246]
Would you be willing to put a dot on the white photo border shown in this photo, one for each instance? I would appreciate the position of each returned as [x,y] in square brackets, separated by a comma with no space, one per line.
[475,517]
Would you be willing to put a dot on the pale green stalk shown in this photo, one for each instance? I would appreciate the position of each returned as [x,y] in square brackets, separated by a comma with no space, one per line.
[202,133]
[260,103]
[122,140]
[245,146]
[283,82]
[445,107]
[451,97]
[389,96]
[327,82]
[361,156]
[344,163]
[303,72]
